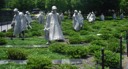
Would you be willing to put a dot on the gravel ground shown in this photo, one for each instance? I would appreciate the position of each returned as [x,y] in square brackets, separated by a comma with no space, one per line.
[125,62]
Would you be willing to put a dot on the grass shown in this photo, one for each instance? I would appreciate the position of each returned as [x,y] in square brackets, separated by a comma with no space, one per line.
[12,66]
[27,41]
[32,52]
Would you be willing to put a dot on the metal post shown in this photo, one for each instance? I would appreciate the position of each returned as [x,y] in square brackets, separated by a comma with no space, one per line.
[127,42]
[1,27]
[7,26]
[96,64]
[121,52]
[102,51]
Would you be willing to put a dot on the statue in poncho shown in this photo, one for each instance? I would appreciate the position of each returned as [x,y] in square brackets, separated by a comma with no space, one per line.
[102,18]
[28,16]
[76,21]
[40,18]
[24,24]
[114,15]
[91,17]
[53,29]
[81,19]
[16,23]
[122,16]
[61,16]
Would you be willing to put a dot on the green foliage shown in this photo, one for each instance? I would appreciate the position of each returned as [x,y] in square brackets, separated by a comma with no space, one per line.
[3,41]
[39,62]
[106,36]
[2,34]
[65,66]
[99,42]
[37,30]
[16,54]
[36,33]
[84,32]
[111,59]
[75,39]
[77,52]
[72,51]
[94,48]
[9,34]
[114,45]
[20,4]
[12,66]
[90,38]
[3,54]
[123,5]
[100,5]
[57,47]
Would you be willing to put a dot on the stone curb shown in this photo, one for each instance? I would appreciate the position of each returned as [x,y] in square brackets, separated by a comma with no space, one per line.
[13,61]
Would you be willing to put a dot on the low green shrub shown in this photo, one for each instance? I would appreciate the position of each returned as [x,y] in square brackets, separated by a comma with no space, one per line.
[106,36]
[28,34]
[99,42]
[9,34]
[90,38]
[69,32]
[3,41]
[73,33]
[16,54]
[114,45]
[3,54]
[77,51]
[84,32]
[12,66]
[39,62]
[36,33]
[2,34]
[97,66]
[72,51]
[94,48]
[111,59]
[96,26]
[122,29]
[88,28]
[65,66]
[116,34]
[57,47]
[75,40]
[65,17]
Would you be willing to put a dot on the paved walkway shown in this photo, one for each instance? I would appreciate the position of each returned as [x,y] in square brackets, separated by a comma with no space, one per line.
[5,27]
[14,61]
[25,46]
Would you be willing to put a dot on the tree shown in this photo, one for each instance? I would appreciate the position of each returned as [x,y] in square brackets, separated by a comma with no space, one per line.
[2,4]
[40,4]
[21,4]
[124,5]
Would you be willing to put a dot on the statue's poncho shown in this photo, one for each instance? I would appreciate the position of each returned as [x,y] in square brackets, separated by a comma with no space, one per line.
[122,16]
[17,24]
[40,18]
[102,18]
[53,29]
[91,17]
[76,22]
[24,22]
[81,19]
[28,16]
[114,16]
[61,17]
